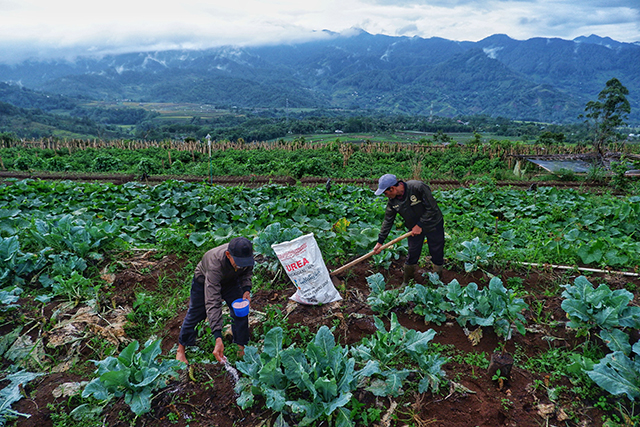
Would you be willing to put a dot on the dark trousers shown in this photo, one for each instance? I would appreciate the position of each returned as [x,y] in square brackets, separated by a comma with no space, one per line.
[435,242]
[197,313]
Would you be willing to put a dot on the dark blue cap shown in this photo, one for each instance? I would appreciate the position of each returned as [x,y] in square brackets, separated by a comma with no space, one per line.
[241,249]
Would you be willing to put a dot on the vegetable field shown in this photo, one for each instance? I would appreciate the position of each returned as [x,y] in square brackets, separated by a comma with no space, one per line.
[533,322]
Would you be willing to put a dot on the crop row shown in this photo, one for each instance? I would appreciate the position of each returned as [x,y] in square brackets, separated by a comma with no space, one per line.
[297,159]
[53,229]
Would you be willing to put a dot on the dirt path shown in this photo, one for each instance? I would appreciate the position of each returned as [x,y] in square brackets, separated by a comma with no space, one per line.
[253,181]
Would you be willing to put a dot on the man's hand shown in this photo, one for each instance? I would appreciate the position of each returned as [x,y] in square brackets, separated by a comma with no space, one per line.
[416,230]
[247,296]
[376,248]
[218,351]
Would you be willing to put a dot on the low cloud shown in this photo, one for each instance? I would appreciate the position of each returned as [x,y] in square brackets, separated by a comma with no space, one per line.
[66,28]
[410,29]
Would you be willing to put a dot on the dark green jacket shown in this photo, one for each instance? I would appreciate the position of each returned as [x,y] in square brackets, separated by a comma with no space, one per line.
[417,207]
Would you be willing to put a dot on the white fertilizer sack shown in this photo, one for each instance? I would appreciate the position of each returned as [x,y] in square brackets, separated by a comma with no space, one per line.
[302,260]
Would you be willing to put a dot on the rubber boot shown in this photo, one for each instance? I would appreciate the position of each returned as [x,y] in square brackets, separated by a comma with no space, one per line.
[409,273]
[438,269]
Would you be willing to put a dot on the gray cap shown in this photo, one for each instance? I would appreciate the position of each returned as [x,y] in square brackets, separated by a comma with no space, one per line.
[386,181]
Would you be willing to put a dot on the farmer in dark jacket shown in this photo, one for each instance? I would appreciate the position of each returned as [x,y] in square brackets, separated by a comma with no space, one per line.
[415,204]
[224,273]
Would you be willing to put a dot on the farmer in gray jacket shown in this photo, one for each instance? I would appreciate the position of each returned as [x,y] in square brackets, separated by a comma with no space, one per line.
[422,216]
[224,273]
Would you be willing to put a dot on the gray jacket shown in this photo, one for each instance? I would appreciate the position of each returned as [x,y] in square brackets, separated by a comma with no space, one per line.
[217,272]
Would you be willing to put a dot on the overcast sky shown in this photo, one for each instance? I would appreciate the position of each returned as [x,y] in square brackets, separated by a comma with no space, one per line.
[49,28]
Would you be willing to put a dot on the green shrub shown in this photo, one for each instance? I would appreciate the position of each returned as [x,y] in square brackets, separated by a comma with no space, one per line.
[178,167]
[147,166]
[58,164]
[105,163]
[312,167]
[22,163]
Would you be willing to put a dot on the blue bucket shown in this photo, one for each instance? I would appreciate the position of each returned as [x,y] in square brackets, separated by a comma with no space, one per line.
[240,307]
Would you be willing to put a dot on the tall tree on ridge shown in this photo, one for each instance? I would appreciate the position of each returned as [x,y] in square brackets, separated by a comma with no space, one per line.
[608,112]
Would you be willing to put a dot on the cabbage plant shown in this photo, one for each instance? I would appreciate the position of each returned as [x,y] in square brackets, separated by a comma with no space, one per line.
[388,347]
[619,372]
[590,308]
[310,384]
[474,254]
[133,375]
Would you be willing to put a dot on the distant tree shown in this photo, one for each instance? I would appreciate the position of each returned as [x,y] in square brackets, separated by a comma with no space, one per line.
[440,136]
[477,139]
[7,138]
[608,112]
[551,138]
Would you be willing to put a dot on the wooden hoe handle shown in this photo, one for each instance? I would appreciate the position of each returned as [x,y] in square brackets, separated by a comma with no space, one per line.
[363,257]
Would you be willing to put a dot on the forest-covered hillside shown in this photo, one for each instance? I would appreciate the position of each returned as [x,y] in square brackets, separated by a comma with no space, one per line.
[539,79]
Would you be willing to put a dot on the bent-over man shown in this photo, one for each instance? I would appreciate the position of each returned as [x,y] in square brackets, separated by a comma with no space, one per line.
[223,274]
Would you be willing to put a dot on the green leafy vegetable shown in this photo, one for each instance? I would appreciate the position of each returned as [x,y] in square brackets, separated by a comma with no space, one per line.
[272,234]
[619,372]
[134,375]
[474,254]
[311,384]
[588,308]
[380,299]
[11,394]
[494,306]
[386,347]
[8,297]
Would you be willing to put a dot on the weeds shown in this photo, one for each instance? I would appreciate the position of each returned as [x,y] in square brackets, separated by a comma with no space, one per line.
[539,314]
[60,418]
[363,414]
[472,359]
[507,404]
[148,315]
[516,284]
[101,348]
[413,412]
[275,317]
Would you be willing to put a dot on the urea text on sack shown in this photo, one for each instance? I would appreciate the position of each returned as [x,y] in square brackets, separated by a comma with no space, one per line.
[296,265]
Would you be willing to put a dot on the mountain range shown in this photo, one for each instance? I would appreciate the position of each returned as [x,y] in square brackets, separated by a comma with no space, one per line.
[540,79]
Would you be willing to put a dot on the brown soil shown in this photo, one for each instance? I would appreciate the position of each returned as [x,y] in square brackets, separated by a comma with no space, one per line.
[473,399]
[252,181]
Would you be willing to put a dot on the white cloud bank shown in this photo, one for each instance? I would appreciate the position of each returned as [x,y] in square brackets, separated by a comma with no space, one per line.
[45,28]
